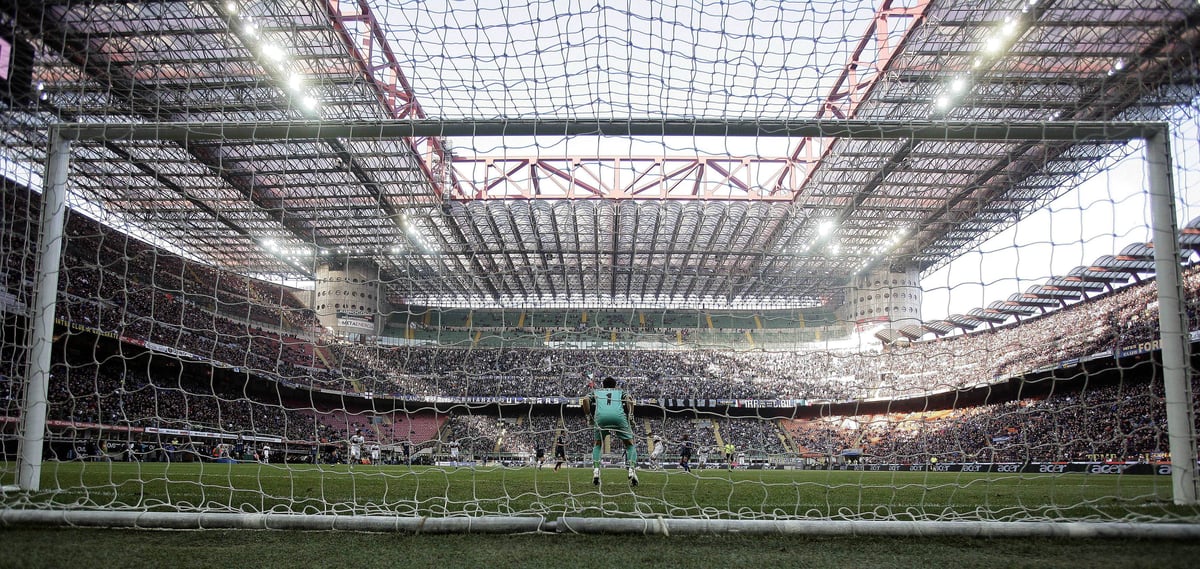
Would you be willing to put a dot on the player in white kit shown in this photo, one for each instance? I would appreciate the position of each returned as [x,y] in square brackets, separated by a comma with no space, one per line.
[356,443]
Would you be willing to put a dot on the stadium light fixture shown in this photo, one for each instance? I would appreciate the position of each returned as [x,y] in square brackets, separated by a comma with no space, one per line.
[273,52]
[958,85]
[825,228]
[273,57]
[992,45]
[1009,28]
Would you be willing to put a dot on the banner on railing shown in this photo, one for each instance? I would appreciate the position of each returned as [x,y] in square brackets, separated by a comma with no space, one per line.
[365,322]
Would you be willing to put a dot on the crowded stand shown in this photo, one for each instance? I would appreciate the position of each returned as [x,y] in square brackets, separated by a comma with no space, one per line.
[118,285]
[133,403]
[114,285]
[121,286]
[1120,319]
[164,407]
[1118,422]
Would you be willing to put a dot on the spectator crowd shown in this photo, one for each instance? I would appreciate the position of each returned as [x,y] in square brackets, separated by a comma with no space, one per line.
[114,285]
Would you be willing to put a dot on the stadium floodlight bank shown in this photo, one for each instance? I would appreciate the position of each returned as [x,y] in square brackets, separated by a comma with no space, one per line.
[1174,338]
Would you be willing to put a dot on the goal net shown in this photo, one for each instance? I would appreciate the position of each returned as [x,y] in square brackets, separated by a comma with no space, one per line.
[357,264]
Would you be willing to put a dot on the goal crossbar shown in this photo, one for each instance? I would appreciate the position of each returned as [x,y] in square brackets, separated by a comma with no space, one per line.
[1092,131]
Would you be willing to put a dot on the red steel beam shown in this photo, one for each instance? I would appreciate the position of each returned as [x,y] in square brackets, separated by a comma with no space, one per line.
[397,95]
[851,87]
[624,177]
[392,89]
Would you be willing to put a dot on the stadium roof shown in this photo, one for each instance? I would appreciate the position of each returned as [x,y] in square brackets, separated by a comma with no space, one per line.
[1109,263]
[939,327]
[1033,301]
[1012,308]
[537,220]
[1137,252]
[965,321]
[1189,235]
[1050,292]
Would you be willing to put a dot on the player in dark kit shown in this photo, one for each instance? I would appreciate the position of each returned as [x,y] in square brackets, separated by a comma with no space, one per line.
[685,454]
[560,451]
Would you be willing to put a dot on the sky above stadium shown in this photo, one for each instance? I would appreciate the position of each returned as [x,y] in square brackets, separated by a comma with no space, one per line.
[573,59]
[1100,217]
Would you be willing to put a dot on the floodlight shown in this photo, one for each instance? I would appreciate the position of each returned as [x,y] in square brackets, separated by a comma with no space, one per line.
[272,52]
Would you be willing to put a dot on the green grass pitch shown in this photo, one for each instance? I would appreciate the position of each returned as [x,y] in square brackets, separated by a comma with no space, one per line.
[527,491]
[436,491]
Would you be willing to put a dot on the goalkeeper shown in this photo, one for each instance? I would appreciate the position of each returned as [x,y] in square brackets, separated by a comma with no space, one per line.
[610,409]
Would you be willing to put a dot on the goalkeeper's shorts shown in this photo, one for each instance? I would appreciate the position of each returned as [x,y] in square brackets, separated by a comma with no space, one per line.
[613,424]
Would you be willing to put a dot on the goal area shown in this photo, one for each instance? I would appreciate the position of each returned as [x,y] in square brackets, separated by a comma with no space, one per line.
[263,271]
[179,393]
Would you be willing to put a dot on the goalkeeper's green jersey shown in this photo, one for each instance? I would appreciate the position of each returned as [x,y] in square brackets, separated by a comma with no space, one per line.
[608,403]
